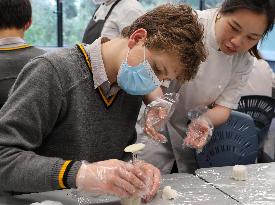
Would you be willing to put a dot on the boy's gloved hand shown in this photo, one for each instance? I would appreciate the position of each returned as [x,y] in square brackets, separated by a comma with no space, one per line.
[157,114]
[154,121]
[113,177]
[152,179]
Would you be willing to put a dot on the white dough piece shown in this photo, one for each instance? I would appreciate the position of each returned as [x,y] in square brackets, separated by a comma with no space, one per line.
[47,202]
[168,193]
[239,172]
[130,201]
[134,147]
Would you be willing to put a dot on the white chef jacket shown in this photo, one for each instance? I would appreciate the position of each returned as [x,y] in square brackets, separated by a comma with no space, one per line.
[123,14]
[260,80]
[220,80]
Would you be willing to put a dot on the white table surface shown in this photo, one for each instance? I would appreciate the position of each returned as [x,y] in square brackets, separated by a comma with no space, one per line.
[259,188]
[191,189]
[269,144]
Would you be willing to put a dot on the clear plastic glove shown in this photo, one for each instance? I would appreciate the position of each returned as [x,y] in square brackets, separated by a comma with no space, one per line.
[152,179]
[113,177]
[156,114]
[199,132]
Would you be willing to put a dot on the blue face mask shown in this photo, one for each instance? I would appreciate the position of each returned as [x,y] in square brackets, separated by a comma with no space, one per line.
[137,80]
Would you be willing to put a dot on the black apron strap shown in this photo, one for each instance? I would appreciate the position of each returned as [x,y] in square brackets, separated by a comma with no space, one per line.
[94,28]
[112,7]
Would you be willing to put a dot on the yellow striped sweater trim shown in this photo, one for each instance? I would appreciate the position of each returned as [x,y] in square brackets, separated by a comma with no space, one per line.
[107,101]
[61,174]
[85,55]
[15,48]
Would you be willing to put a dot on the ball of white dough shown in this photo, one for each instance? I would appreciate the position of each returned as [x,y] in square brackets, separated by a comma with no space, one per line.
[168,193]
[239,172]
[134,147]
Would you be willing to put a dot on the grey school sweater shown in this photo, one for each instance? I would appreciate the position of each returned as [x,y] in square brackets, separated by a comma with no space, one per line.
[54,114]
[12,60]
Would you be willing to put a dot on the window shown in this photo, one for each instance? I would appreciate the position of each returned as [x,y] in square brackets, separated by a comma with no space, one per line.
[207,4]
[267,48]
[59,22]
[76,16]
[62,22]
[149,4]
[196,4]
[43,31]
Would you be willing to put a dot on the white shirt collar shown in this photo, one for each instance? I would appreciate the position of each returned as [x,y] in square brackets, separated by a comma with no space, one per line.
[11,42]
[98,69]
[213,42]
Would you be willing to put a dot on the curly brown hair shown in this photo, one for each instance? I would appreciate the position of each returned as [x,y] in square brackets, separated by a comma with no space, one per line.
[173,29]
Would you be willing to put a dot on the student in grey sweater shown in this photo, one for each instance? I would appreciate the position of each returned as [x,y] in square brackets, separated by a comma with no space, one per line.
[82,103]
[16,18]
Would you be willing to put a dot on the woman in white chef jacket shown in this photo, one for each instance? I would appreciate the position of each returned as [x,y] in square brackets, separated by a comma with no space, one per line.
[231,36]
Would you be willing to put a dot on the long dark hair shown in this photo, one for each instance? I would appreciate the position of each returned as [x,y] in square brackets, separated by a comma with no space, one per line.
[266,7]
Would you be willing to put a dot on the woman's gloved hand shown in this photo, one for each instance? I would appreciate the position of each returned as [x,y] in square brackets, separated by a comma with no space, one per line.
[199,132]
[113,177]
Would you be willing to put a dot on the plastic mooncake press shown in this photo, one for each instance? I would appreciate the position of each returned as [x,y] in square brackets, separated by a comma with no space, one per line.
[134,147]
